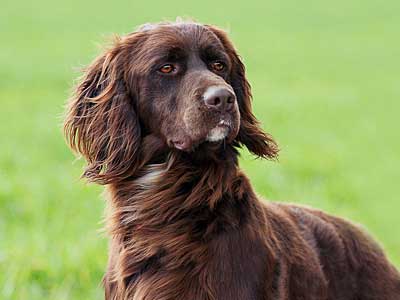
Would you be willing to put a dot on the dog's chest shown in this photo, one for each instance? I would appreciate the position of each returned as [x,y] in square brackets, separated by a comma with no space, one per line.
[238,268]
[235,268]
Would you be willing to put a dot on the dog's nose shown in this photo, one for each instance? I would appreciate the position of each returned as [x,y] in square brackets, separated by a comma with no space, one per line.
[219,98]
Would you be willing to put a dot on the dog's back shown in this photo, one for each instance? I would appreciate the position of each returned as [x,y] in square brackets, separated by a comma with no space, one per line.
[320,246]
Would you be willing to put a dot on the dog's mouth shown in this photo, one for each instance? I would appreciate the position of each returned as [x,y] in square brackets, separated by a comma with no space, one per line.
[184,144]
[216,134]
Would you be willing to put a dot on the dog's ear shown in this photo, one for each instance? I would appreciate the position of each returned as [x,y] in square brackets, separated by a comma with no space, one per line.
[101,122]
[250,133]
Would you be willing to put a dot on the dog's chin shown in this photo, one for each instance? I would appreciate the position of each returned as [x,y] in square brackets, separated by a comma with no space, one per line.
[217,134]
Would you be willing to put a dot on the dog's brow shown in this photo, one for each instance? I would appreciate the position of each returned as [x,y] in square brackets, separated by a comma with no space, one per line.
[213,52]
[174,53]
[167,52]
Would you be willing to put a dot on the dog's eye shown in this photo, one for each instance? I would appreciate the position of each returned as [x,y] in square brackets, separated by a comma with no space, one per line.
[218,66]
[167,69]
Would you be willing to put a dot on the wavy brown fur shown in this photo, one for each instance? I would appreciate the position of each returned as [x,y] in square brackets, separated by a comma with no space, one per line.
[172,218]
[186,224]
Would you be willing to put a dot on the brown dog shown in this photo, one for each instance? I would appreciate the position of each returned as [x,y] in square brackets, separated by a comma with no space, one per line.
[159,118]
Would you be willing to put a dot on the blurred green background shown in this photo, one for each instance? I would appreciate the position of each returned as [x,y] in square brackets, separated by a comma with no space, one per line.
[325,77]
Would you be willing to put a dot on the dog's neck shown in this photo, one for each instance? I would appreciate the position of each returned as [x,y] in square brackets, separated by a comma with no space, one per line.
[171,208]
[183,184]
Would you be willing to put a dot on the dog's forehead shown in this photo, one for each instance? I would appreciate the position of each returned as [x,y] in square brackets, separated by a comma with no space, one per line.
[179,34]
[182,27]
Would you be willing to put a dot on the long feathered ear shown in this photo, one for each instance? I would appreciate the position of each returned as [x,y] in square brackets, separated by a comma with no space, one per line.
[250,133]
[101,122]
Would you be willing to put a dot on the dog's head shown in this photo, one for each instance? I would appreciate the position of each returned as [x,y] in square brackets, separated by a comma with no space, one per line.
[180,82]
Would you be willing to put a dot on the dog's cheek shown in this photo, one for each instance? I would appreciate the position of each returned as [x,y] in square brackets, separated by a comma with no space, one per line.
[194,122]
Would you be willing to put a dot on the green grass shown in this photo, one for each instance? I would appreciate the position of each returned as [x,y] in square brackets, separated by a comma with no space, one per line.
[325,79]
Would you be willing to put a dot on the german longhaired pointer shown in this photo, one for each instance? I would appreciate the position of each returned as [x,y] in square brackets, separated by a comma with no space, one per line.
[160,117]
